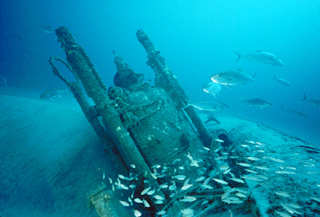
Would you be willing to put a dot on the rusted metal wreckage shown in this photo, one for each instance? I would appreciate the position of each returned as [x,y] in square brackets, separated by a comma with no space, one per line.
[148,125]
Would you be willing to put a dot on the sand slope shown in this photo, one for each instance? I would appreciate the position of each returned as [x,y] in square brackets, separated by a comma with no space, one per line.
[50,159]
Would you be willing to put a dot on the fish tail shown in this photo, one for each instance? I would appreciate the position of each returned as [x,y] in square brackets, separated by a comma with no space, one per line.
[238,55]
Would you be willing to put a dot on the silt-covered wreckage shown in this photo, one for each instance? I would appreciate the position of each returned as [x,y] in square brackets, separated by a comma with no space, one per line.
[173,165]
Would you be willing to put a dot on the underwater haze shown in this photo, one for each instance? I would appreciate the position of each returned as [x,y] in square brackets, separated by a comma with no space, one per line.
[198,39]
[258,61]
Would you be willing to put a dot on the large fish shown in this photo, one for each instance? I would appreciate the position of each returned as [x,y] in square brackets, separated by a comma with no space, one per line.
[210,107]
[211,118]
[262,57]
[314,101]
[48,29]
[294,112]
[282,81]
[53,94]
[258,102]
[212,89]
[232,77]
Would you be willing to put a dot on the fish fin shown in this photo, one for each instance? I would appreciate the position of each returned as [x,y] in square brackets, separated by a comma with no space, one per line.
[238,55]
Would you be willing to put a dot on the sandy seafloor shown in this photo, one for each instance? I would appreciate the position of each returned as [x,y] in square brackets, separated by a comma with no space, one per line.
[51,160]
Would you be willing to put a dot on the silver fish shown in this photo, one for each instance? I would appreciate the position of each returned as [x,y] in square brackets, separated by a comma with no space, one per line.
[185,187]
[237,180]
[220,181]
[146,204]
[179,177]
[257,102]
[243,164]
[232,77]
[262,57]
[162,212]
[137,213]
[314,101]
[206,186]
[145,191]
[282,194]
[282,81]
[124,203]
[188,199]
[212,89]
[158,197]
[138,200]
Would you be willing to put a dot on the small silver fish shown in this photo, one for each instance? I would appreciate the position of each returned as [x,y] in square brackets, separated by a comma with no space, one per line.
[185,187]
[137,200]
[288,209]
[133,166]
[232,200]
[146,204]
[276,160]
[282,194]
[188,212]
[253,158]
[124,203]
[145,191]
[251,171]
[241,195]
[282,214]
[179,177]
[163,186]
[156,166]
[237,180]
[243,164]
[137,213]
[162,212]
[284,172]
[201,178]
[158,197]
[122,186]
[220,181]
[172,187]
[227,171]
[132,186]
[262,168]
[158,202]
[151,192]
[206,148]
[206,186]
[188,199]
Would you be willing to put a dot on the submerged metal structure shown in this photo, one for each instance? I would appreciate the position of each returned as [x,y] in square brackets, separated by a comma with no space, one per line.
[147,125]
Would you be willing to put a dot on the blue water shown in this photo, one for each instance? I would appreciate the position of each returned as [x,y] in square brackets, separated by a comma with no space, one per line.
[197,38]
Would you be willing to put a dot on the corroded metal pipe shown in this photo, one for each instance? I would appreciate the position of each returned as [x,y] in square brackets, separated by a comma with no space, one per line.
[165,79]
[96,90]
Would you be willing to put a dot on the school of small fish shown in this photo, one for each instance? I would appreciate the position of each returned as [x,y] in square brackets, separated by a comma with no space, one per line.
[236,174]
